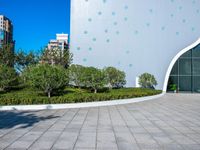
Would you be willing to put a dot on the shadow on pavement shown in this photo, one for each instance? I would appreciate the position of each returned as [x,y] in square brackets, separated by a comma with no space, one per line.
[10,119]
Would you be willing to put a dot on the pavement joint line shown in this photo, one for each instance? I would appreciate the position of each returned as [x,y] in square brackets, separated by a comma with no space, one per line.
[129,128]
[182,132]
[42,112]
[112,126]
[81,128]
[97,127]
[65,125]
[161,129]
[46,129]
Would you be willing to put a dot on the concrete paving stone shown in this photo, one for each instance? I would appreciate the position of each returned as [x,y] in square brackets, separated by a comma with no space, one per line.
[21,144]
[171,122]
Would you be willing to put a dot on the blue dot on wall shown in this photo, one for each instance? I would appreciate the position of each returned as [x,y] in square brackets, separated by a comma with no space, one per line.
[177,33]
[99,13]
[113,13]
[89,19]
[183,20]
[127,52]
[90,49]
[84,59]
[198,10]
[172,15]
[180,7]
[85,32]
[147,24]
[172,0]
[130,65]
[125,18]
[104,1]
[108,40]
[115,23]
[136,32]
[78,48]
[117,32]
[193,2]
[94,39]
[192,28]
[163,28]
[151,10]
[126,7]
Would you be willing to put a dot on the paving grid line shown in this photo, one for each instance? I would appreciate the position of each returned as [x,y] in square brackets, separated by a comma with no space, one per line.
[47,129]
[65,127]
[112,126]
[145,129]
[161,130]
[175,129]
[81,127]
[197,142]
[97,127]
[15,122]
[41,113]
[128,127]
[186,118]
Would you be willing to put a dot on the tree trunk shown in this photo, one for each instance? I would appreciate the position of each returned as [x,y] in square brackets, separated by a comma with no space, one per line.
[95,90]
[49,94]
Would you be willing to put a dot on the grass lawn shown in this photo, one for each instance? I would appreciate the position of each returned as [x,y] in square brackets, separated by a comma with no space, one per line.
[71,95]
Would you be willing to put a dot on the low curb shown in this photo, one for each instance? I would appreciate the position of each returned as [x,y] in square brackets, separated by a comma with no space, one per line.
[79,105]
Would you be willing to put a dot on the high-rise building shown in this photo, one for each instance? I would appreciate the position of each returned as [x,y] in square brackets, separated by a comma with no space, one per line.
[55,49]
[60,43]
[6,31]
[7,44]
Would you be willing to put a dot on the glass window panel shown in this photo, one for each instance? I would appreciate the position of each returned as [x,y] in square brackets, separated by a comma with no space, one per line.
[196,66]
[185,83]
[185,66]
[196,51]
[175,69]
[187,54]
[196,84]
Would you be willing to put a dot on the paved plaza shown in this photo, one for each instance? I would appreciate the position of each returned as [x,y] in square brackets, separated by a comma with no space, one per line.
[171,122]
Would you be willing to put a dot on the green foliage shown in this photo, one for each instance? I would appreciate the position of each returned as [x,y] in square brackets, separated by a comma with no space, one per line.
[57,56]
[7,55]
[147,80]
[76,75]
[93,78]
[23,60]
[173,87]
[73,95]
[115,77]
[47,78]
[87,77]
[8,77]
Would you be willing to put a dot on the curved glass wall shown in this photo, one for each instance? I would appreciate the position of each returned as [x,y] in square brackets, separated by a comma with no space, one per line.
[185,75]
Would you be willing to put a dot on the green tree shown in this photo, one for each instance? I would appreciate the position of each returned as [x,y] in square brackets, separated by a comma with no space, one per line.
[7,55]
[115,77]
[23,60]
[57,56]
[93,78]
[47,78]
[8,77]
[147,80]
[76,75]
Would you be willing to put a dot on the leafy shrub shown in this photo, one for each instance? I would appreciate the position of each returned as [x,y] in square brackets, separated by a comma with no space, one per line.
[147,80]
[29,96]
[47,78]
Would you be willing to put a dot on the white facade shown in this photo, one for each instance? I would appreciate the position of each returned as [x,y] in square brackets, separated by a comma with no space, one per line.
[134,36]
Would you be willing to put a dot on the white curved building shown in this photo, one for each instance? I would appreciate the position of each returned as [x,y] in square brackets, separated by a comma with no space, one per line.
[137,36]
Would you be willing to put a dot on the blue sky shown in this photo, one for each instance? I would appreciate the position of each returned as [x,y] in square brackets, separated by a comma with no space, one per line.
[36,21]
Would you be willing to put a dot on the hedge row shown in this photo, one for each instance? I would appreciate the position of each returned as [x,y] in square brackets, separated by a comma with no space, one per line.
[75,97]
